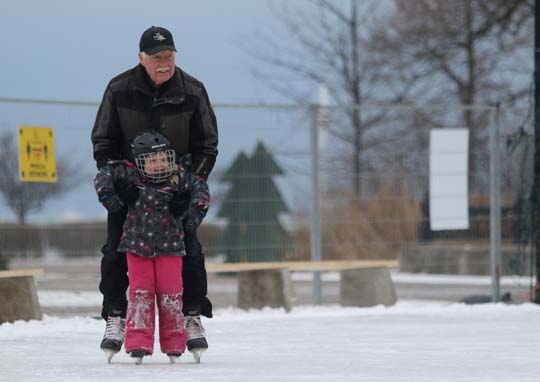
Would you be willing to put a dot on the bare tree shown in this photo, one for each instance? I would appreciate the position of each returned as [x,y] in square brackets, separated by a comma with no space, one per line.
[462,52]
[473,51]
[23,197]
[327,44]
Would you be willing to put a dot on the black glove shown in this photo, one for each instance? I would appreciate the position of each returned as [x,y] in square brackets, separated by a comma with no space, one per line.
[178,205]
[111,202]
[192,219]
[128,193]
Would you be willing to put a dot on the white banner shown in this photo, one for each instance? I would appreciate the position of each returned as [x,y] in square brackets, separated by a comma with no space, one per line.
[448,174]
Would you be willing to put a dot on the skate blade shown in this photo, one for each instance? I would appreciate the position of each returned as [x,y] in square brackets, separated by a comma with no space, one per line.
[138,360]
[109,354]
[173,359]
[197,353]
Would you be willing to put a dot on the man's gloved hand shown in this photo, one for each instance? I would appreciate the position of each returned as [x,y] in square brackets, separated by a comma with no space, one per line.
[179,205]
[127,193]
[111,201]
[192,218]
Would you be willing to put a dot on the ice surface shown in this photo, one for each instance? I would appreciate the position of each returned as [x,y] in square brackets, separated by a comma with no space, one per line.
[412,341]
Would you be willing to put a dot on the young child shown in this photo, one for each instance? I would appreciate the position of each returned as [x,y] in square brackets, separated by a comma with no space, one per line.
[153,240]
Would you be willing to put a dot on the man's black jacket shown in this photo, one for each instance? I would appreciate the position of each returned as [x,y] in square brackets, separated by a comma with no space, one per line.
[180,109]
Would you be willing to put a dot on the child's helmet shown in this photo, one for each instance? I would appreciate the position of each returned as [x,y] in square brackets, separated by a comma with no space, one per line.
[153,156]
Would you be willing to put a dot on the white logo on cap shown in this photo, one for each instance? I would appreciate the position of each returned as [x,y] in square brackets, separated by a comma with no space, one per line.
[159,37]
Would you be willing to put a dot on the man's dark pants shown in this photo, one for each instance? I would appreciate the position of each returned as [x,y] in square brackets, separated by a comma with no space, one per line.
[114,279]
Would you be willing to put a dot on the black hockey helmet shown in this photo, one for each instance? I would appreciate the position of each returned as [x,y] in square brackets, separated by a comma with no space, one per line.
[153,155]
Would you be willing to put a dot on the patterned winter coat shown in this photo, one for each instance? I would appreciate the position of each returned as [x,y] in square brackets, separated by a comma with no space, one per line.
[150,229]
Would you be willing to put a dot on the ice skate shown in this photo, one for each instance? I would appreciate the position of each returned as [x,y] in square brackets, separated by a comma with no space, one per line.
[109,354]
[114,336]
[196,341]
[197,353]
[137,355]
[173,357]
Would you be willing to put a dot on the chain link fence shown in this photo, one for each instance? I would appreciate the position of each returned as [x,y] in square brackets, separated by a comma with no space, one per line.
[373,186]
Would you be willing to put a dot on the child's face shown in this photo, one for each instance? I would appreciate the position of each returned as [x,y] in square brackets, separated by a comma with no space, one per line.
[156,163]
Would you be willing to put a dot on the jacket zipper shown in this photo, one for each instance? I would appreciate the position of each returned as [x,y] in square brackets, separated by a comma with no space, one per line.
[199,168]
[163,101]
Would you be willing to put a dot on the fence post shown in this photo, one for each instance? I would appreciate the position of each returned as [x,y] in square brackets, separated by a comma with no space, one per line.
[495,204]
[315,218]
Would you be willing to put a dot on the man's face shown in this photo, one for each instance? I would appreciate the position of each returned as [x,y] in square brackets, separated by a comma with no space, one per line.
[160,66]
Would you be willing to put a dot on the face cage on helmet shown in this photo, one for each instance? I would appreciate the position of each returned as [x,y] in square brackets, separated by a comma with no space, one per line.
[157,175]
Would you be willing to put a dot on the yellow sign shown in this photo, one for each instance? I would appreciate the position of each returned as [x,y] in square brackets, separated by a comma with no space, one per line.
[36,154]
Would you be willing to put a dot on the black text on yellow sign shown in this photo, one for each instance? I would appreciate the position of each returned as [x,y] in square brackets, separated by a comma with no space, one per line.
[36,154]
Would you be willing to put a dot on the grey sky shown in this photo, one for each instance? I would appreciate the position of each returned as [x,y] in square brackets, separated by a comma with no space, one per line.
[70,49]
[66,49]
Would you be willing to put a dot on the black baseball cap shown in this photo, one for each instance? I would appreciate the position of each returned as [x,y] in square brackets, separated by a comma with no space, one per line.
[156,39]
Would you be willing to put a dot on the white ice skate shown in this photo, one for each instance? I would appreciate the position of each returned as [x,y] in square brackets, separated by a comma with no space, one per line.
[196,341]
[109,354]
[197,353]
[114,337]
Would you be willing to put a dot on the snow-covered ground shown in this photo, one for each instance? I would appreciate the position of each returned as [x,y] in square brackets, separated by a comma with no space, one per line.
[412,341]
[73,294]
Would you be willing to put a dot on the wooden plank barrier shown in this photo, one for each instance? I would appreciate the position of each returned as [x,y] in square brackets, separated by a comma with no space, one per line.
[301,266]
[18,295]
[363,282]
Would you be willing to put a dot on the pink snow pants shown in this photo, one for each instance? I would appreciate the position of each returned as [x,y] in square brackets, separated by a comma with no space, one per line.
[150,280]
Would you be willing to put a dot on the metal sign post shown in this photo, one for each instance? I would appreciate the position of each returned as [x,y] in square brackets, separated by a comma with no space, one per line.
[315,218]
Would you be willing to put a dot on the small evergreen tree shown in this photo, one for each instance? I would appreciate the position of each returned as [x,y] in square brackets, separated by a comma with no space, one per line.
[252,206]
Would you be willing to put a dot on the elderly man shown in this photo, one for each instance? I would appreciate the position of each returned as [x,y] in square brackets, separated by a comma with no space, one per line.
[155,95]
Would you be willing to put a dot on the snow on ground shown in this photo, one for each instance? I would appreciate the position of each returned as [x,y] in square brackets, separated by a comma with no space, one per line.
[60,298]
[65,298]
[412,341]
[428,278]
